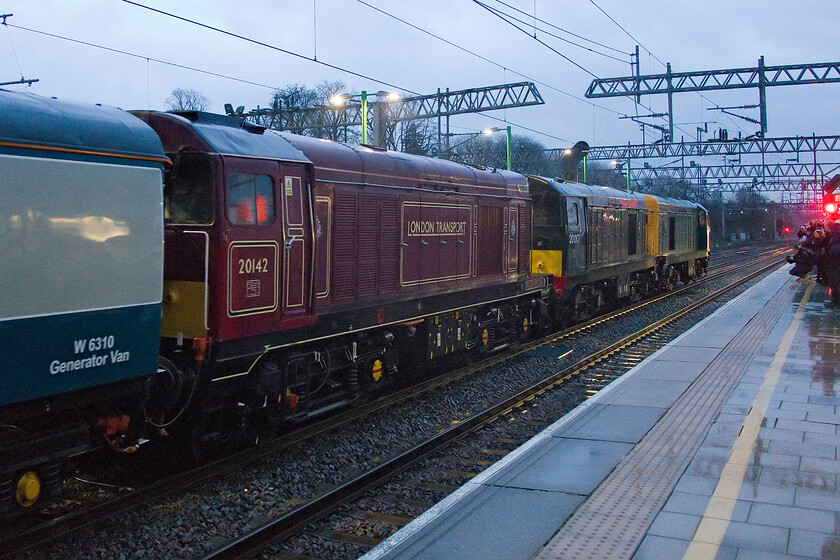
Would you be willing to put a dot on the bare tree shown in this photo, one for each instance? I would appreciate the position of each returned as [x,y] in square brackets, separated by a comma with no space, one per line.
[332,122]
[527,154]
[287,105]
[326,90]
[606,175]
[418,136]
[186,100]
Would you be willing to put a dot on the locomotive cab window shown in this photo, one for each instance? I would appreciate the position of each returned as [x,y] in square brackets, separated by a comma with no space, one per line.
[250,199]
[573,216]
[548,217]
[546,206]
[188,190]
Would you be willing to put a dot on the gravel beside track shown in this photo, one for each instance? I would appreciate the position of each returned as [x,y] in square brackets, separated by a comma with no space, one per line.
[202,518]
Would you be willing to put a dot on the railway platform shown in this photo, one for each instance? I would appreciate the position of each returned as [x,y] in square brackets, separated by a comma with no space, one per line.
[723,444]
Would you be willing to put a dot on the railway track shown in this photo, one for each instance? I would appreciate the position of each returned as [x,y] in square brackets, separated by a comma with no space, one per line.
[15,541]
[355,501]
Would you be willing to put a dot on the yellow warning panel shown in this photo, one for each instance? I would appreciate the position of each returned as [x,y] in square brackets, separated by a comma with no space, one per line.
[547,262]
[183,309]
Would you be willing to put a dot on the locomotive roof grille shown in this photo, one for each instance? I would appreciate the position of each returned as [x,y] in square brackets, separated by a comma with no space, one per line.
[221,120]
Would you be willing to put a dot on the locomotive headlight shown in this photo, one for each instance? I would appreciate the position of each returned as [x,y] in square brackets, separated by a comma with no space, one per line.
[171,297]
[27,489]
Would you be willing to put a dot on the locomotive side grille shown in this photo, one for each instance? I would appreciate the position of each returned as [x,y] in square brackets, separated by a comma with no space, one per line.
[594,228]
[389,251]
[524,239]
[367,243]
[492,240]
[345,246]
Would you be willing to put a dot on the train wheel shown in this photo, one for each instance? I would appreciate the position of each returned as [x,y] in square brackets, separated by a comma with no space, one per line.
[599,301]
[524,329]
[671,278]
[578,306]
[191,440]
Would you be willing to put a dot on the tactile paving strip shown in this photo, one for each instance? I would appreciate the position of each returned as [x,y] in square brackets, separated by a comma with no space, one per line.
[613,521]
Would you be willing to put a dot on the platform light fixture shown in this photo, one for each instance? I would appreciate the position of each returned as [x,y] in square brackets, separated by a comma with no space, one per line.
[340,99]
[507,130]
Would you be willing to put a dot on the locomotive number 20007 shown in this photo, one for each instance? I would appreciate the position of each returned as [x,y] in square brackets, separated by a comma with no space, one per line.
[250,266]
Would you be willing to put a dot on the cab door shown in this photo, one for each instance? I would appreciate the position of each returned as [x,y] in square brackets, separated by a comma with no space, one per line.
[296,282]
[576,230]
[252,247]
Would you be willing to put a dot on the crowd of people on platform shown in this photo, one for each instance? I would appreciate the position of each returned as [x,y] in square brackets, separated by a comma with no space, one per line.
[820,249]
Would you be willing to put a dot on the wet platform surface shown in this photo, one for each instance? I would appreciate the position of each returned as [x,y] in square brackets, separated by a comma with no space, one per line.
[724,444]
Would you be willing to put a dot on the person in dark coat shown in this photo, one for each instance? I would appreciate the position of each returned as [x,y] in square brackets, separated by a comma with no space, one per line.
[831,263]
[811,252]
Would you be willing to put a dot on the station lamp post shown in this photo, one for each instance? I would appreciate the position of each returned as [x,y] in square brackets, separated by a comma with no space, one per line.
[364,116]
[447,153]
[341,99]
[586,168]
[507,130]
[619,165]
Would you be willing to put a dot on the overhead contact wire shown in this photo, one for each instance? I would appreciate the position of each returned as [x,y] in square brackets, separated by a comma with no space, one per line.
[140,56]
[269,46]
[559,38]
[481,57]
[504,17]
[12,44]
[627,32]
[304,57]
[737,124]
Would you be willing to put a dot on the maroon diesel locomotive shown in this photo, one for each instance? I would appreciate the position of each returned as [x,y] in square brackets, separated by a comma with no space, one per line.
[301,273]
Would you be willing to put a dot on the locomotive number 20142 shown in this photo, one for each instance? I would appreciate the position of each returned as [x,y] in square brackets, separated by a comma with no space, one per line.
[250,266]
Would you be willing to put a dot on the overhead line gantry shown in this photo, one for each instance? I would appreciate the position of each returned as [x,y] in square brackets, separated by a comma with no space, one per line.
[760,77]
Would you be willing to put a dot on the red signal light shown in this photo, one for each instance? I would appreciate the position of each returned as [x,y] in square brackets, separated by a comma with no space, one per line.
[830,208]
[787,229]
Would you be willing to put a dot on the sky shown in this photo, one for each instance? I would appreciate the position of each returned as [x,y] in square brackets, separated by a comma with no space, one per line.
[158,53]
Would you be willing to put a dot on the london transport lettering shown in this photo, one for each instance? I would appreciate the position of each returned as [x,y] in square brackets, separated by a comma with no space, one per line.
[106,344]
[418,227]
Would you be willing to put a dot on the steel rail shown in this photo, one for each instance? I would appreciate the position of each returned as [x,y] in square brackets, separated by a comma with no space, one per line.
[76,520]
[294,521]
